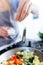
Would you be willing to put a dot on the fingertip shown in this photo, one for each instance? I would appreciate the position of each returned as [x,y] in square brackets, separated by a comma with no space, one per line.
[16,19]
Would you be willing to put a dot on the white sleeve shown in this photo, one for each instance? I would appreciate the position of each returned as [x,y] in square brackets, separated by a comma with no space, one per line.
[14,4]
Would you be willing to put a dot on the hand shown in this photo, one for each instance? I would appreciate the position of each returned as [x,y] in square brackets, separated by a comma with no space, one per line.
[23,9]
[3,32]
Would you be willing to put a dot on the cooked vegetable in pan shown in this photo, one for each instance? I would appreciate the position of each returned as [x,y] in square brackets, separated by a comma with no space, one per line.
[23,58]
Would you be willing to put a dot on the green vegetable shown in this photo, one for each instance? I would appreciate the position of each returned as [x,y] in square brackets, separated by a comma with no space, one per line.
[40,35]
[21,50]
[31,59]
[28,63]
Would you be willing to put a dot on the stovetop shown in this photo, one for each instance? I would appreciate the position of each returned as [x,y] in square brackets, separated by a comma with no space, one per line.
[28,43]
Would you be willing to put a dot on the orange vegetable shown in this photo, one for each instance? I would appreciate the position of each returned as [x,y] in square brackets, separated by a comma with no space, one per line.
[14,60]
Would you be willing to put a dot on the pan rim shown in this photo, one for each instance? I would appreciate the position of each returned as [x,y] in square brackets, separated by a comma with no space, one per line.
[23,47]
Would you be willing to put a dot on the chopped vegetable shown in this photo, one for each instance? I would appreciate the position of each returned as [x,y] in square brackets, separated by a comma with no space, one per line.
[23,58]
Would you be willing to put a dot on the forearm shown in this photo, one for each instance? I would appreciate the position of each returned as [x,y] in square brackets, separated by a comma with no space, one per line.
[4,5]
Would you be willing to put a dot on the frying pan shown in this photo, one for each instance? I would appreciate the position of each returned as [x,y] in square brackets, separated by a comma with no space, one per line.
[8,54]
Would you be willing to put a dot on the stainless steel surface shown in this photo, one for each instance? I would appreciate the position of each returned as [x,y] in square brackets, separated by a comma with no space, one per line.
[9,53]
[24,35]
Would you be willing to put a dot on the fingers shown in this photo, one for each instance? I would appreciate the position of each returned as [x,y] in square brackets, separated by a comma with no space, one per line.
[21,5]
[25,11]
[3,32]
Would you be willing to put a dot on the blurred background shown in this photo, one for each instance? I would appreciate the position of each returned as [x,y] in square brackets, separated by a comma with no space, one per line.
[33,24]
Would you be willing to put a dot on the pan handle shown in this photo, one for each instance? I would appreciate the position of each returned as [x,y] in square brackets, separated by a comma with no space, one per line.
[8,48]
